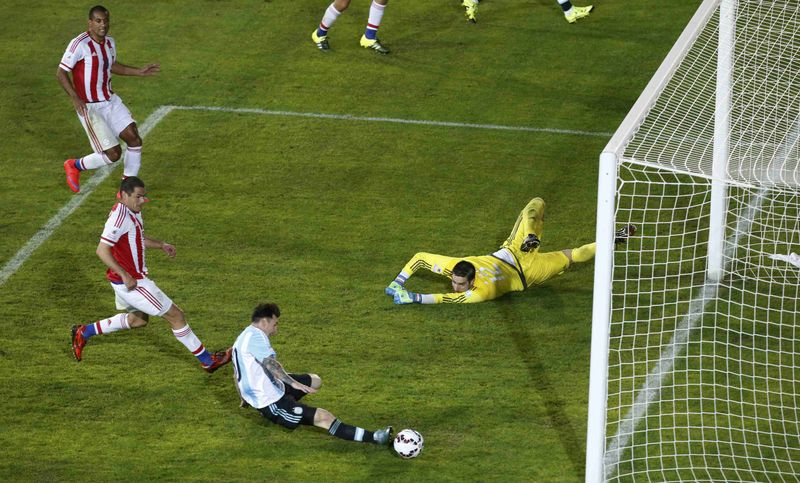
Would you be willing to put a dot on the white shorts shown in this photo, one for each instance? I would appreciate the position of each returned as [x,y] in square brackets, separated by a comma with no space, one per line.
[146,297]
[104,121]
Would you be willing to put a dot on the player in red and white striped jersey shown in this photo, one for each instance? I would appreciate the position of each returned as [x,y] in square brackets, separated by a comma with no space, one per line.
[91,58]
[122,248]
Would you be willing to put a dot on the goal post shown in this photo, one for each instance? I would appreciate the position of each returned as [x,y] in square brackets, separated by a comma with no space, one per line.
[695,358]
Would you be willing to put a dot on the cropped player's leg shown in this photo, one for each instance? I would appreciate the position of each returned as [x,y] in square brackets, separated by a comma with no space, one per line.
[539,267]
[440,264]
[572,13]
[327,421]
[471,9]
[133,153]
[370,38]
[320,35]
[528,228]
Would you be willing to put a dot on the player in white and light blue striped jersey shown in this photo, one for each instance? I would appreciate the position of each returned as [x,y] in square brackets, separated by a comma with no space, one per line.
[264,384]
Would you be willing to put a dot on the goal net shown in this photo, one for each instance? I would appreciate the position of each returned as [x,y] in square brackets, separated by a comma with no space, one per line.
[696,332]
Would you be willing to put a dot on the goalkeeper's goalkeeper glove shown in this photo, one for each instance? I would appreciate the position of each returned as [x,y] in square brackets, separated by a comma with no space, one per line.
[402,297]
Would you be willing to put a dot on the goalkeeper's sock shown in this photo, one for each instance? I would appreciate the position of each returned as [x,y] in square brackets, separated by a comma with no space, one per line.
[350,433]
[106,326]
[186,337]
[374,21]
[331,14]
[584,253]
[401,278]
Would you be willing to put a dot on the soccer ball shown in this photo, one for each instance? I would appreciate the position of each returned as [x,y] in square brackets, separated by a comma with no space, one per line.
[408,443]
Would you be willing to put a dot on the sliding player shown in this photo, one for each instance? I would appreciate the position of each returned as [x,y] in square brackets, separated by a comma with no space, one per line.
[517,265]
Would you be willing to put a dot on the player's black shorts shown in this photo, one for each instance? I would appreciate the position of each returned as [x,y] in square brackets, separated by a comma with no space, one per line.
[286,411]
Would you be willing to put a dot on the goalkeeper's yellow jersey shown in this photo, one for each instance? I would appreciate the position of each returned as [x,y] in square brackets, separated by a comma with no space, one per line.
[493,277]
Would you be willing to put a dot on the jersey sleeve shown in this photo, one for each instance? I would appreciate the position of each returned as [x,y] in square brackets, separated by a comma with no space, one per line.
[260,348]
[72,56]
[468,297]
[116,226]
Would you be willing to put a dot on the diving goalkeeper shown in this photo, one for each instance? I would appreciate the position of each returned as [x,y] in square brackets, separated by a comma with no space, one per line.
[517,265]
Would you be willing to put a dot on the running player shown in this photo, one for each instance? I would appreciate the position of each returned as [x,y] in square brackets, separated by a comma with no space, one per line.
[513,268]
[264,384]
[370,38]
[122,248]
[91,58]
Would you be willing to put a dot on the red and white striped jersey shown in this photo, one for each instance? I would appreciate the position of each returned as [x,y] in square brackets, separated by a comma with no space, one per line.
[90,64]
[124,232]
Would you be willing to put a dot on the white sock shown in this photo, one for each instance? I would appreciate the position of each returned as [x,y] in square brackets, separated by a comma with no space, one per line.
[375,15]
[95,160]
[133,161]
[112,324]
[187,338]
[331,14]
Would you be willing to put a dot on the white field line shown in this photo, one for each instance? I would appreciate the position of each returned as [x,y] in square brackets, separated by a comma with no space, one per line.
[348,117]
[101,174]
[86,189]
[651,389]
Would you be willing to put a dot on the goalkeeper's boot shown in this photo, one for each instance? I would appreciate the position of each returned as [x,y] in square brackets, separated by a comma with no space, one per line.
[578,12]
[218,359]
[382,436]
[78,342]
[392,288]
[373,44]
[322,42]
[621,236]
[73,176]
[531,242]
[471,10]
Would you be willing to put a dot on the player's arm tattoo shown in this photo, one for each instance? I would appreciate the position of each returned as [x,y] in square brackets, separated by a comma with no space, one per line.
[272,366]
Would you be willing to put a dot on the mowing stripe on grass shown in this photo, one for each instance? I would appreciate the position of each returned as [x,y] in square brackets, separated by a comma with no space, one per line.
[86,189]
[348,117]
[101,174]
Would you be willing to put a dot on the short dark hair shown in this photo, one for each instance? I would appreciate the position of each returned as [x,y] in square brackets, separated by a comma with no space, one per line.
[465,269]
[131,183]
[265,311]
[97,8]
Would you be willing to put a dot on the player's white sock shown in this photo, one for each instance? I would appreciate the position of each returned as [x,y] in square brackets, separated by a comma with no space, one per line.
[186,337]
[331,14]
[566,6]
[107,326]
[133,161]
[94,161]
[374,21]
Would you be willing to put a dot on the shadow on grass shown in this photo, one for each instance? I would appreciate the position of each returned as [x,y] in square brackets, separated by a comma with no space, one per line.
[520,335]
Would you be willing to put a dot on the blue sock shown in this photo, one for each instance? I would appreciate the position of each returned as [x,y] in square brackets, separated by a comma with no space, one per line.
[89,331]
[80,168]
[205,358]
[371,33]
[566,6]
[321,33]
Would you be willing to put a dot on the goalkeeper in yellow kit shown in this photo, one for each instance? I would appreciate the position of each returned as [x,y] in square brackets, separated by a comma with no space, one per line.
[517,265]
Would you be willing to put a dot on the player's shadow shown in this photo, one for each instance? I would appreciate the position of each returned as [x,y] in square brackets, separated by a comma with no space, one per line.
[529,352]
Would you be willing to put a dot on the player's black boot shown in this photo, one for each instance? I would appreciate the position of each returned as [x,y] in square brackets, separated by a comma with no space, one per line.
[621,236]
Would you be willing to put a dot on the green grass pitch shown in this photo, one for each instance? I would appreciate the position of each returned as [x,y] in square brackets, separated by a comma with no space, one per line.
[317,215]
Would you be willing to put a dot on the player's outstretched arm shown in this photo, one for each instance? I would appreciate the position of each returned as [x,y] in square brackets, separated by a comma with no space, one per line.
[403,297]
[162,245]
[273,367]
[147,70]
